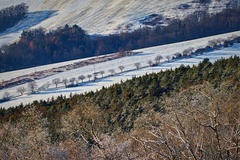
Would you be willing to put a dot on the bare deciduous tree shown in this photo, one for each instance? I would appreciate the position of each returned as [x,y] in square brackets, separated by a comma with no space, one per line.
[56,81]
[95,74]
[86,127]
[137,65]
[150,63]
[158,59]
[21,90]
[6,95]
[121,68]
[32,86]
[65,81]
[188,51]
[72,81]
[89,76]
[81,77]
[30,136]
[168,58]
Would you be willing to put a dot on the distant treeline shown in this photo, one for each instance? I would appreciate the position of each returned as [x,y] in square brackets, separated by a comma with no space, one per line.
[12,15]
[38,47]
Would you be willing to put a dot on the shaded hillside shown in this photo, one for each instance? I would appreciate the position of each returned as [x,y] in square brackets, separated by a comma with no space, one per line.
[12,15]
[188,113]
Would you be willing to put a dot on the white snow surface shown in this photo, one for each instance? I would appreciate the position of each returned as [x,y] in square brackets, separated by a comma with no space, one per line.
[98,16]
[129,70]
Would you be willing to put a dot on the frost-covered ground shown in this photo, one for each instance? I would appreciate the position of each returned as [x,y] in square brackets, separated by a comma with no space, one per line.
[128,62]
[99,16]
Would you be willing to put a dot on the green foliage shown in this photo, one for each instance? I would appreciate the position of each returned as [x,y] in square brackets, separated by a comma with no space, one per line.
[121,104]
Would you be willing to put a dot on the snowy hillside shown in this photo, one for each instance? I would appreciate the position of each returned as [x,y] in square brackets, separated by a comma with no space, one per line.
[103,16]
[128,62]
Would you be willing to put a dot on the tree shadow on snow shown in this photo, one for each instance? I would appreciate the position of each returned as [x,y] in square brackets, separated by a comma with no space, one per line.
[32,19]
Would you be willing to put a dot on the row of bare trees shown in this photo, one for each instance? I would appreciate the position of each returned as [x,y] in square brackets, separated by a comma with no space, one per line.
[32,87]
[214,44]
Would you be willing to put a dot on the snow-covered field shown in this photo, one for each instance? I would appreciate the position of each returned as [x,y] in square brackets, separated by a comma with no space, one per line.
[99,16]
[128,62]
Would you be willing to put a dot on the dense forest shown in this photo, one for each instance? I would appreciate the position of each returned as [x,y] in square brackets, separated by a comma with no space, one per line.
[12,15]
[186,113]
[39,47]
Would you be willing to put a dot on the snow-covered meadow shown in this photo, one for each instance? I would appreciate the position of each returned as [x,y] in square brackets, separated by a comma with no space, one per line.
[129,71]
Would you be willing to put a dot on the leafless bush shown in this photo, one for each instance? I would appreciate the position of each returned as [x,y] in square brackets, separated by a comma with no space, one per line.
[112,72]
[21,90]
[137,65]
